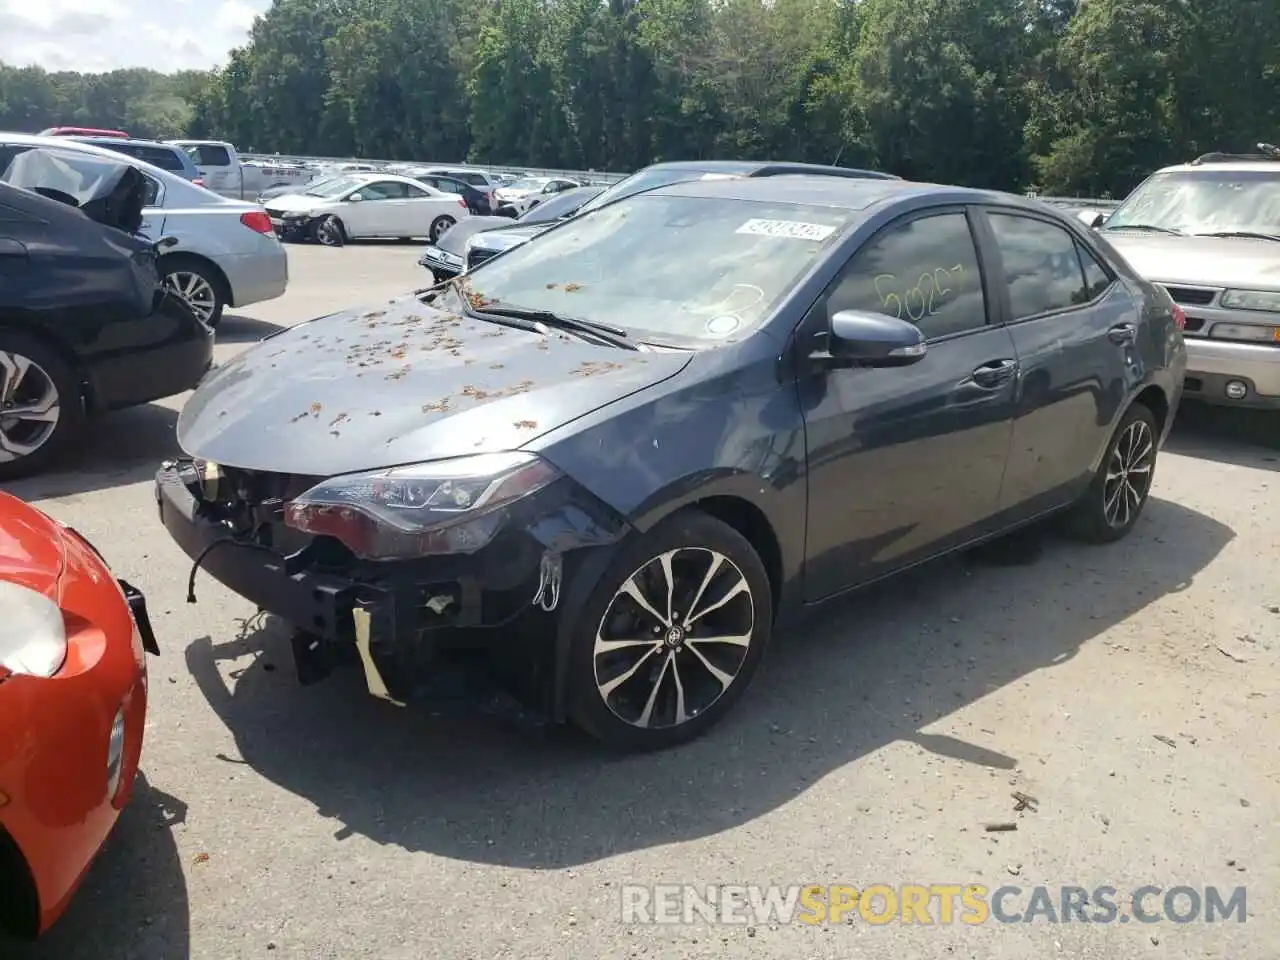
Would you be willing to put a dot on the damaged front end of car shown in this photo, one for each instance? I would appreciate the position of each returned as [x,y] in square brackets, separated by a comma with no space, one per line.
[395,567]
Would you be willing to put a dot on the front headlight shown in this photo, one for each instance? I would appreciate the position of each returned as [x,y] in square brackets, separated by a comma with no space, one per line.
[33,636]
[1267,301]
[449,506]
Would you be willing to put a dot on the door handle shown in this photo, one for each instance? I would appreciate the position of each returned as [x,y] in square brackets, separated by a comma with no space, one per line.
[993,374]
[1122,333]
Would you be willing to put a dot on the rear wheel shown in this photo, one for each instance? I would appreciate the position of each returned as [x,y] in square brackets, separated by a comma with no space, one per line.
[438,226]
[41,409]
[1120,488]
[671,635]
[198,285]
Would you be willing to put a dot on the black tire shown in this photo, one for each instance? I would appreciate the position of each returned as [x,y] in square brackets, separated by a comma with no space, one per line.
[198,284]
[1126,471]
[438,226]
[329,231]
[46,364]
[615,716]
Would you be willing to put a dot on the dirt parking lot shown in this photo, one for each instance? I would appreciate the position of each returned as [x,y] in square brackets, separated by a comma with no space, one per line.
[1133,691]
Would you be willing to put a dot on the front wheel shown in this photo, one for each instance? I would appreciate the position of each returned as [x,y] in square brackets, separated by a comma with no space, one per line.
[1120,488]
[330,232]
[671,636]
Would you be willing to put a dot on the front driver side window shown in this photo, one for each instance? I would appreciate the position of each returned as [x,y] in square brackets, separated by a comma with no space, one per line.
[924,271]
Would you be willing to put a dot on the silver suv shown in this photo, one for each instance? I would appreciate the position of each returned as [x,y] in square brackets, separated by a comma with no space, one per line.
[1209,232]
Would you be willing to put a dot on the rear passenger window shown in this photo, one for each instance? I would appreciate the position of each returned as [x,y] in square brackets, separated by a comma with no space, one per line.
[210,155]
[1041,265]
[924,271]
[1096,279]
[157,157]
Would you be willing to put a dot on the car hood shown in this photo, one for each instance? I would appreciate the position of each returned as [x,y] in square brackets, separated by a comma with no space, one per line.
[294,202]
[31,547]
[454,240]
[401,384]
[1207,261]
[507,237]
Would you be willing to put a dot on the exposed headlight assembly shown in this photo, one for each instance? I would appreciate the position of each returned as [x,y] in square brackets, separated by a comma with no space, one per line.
[447,506]
[33,636]
[1267,301]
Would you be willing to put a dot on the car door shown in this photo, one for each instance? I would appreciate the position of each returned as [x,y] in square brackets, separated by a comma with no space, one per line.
[376,213]
[424,206]
[1073,327]
[906,462]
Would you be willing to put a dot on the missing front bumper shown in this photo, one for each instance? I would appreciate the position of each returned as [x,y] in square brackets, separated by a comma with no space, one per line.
[396,616]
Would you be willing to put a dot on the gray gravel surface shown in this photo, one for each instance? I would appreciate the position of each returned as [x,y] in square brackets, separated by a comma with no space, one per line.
[272,821]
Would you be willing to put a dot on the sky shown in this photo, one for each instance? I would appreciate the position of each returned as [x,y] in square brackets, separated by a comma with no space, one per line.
[96,35]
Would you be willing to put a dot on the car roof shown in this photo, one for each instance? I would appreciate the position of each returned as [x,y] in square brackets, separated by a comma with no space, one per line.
[1225,166]
[768,168]
[846,192]
[170,180]
[136,141]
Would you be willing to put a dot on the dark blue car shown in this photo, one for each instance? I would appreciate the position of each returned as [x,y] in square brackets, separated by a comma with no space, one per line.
[622,454]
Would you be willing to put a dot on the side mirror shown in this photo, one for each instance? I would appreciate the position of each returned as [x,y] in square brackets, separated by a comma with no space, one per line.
[356,197]
[859,339]
[1092,218]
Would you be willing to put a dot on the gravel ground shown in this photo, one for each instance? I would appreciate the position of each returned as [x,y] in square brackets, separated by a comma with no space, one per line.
[1134,691]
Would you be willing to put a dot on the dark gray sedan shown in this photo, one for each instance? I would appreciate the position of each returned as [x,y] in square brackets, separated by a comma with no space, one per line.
[620,457]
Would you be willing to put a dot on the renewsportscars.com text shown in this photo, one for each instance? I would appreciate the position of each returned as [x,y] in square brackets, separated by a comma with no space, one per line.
[925,904]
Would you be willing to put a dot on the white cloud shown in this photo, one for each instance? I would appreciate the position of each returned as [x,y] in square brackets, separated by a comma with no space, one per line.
[96,35]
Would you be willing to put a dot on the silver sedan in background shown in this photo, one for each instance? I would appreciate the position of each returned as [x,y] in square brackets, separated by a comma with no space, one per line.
[226,254]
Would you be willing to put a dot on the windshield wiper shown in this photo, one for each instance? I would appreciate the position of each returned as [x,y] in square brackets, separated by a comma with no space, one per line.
[604,332]
[1144,226]
[1246,234]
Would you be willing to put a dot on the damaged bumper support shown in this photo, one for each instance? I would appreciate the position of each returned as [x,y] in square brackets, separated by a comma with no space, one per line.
[395,614]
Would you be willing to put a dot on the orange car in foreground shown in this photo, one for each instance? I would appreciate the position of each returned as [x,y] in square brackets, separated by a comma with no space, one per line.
[73,700]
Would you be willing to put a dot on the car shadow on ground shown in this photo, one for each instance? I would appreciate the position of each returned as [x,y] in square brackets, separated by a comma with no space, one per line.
[492,787]
[117,449]
[239,329]
[1244,438]
[135,893]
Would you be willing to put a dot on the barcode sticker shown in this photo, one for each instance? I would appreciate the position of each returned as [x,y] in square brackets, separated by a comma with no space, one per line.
[787,229]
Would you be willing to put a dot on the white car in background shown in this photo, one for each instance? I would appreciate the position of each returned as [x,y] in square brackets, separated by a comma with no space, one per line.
[365,205]
[226,253]
[524,194]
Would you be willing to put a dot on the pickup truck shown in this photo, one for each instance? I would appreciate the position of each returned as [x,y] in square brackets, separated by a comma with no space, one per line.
[225,173]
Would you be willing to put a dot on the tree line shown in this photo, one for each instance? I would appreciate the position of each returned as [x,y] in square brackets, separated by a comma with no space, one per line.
[1071,97]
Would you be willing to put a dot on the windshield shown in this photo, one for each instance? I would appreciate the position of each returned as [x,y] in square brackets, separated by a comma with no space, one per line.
[528,183]
[328,189]
[1204,201]
[698,270]
[646,180]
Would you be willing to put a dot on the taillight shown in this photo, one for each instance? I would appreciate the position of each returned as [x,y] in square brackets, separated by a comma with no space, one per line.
[257,221]
[1179,318]
[462,203]
[198,181]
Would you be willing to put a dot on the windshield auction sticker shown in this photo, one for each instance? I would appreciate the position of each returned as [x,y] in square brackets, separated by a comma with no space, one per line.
[787,229]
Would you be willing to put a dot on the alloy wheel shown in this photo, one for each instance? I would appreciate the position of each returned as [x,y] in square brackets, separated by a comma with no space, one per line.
[196,291]
[329,233]
[673,638]
[1128,478]
[29,407]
